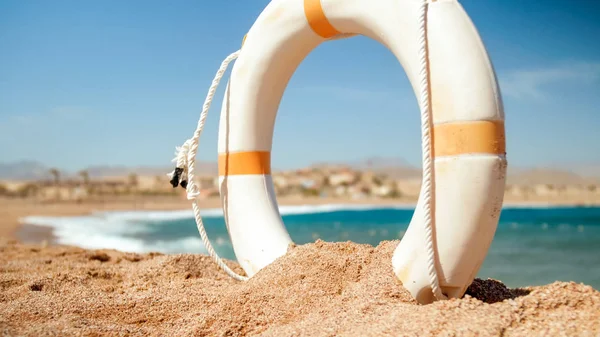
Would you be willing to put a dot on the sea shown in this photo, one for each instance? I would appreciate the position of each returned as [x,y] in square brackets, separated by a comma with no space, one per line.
[532,245]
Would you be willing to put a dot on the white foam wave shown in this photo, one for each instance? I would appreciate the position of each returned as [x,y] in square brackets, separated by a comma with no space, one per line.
[119,231]
[161,216]
[125,230]
[310,209]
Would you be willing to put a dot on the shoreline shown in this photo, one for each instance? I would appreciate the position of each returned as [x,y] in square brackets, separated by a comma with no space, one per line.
[344,288]
[13,227]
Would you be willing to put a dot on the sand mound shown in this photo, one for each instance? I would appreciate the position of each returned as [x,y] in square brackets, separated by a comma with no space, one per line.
[321,289]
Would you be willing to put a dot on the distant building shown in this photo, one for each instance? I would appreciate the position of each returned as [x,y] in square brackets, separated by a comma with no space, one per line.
[410,188]
[342,178]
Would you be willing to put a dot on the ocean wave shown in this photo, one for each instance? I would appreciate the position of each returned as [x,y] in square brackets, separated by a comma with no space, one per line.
[134,222]
[312,209]
[136,231]
[161,216]
[129,230]
[114,231]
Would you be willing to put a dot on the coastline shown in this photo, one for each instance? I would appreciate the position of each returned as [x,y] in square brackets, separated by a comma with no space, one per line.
[13,227]
[13,210]
[345,288]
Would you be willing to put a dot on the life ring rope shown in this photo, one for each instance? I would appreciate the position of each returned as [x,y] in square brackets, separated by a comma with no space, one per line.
[428,164]
[186,160]
[186,156]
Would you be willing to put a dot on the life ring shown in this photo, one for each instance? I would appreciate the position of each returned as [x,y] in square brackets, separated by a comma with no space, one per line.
[468,131]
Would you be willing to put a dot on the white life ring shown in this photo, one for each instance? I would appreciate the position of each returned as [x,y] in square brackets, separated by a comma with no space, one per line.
[468,131]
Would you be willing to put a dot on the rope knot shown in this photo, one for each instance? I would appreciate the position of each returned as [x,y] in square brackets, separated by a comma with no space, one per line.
[185,157]
[176,176]
[179,176]
[193,192]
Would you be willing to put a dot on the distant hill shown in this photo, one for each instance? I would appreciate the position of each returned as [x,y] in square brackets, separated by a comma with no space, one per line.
[32,170]
[399,168]
[588,170]
[550,176]
[396,168]
[23,170]
[203,168]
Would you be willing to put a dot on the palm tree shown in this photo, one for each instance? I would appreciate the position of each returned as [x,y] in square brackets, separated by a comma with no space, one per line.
[133,181]
[55,173]
[85,176]
[3,189]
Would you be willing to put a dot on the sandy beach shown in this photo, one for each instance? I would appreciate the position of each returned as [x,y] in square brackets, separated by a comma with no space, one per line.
[377,168]
[318,289]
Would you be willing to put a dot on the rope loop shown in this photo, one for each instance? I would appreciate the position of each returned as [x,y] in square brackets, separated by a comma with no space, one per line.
[184,174]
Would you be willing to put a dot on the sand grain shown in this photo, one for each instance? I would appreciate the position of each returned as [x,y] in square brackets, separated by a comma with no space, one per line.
[320,289]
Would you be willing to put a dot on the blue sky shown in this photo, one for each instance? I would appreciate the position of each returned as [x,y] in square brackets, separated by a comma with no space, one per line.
[122,83]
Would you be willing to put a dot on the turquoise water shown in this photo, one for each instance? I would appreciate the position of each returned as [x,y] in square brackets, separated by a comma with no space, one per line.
[532,246]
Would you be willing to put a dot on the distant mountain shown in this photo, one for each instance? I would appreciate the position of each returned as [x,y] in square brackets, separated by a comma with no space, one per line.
[396,168]
[379,162]
[32,170]
[399,168]
[119,171]
[23,170]
[203,168]
[588,170]
[536,176]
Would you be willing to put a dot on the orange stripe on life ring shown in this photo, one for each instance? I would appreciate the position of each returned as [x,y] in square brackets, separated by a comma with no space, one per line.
[478,137]
[317,20]
[449,139]
[244,163]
